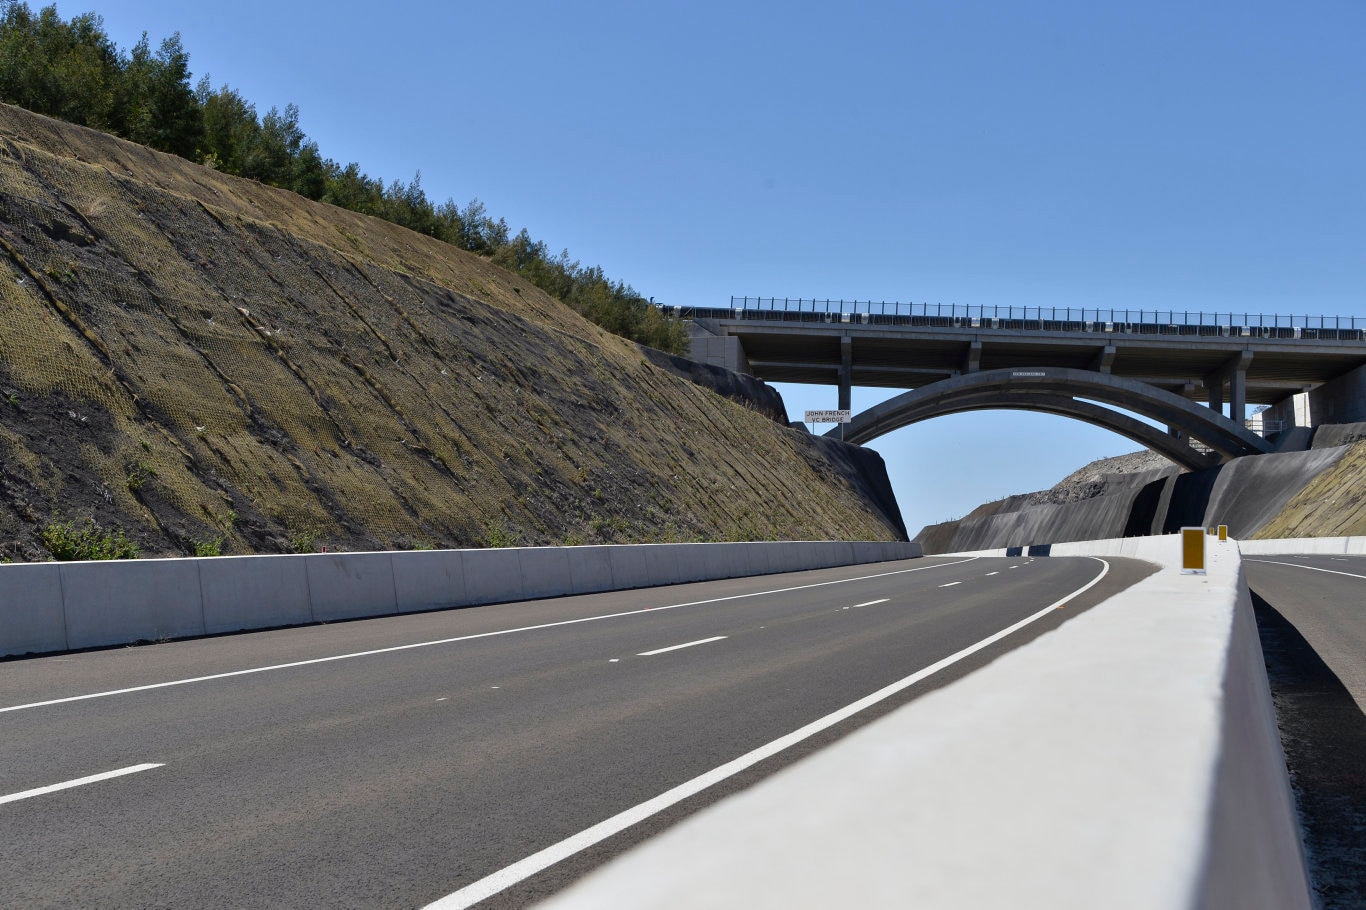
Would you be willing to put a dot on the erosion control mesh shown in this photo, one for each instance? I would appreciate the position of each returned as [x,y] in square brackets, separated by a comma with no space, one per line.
[195,357]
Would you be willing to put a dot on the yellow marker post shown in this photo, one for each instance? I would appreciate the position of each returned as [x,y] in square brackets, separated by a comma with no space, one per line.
[1211,531]
[1223,532]
[1193,551]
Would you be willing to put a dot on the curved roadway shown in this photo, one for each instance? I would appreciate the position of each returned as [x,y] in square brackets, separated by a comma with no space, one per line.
[394,762]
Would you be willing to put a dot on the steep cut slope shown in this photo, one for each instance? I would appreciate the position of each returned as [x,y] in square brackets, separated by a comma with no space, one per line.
[194,357]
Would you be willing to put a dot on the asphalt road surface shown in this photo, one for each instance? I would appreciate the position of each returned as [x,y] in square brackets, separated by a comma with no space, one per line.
[394,762]
[1311,615]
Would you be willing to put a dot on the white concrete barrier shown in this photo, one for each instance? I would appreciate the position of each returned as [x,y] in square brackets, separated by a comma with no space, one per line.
[31,617]
[1291,546]
[155,598]
[1128,759]
[48,607]
[590,570]
[429,580]
[254,592]
[351,586]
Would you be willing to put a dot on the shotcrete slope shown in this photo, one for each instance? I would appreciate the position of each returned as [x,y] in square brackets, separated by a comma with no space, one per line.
[196,358]
[1318,492]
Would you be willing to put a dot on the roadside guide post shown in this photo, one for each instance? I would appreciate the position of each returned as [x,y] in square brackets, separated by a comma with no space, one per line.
[1193,551]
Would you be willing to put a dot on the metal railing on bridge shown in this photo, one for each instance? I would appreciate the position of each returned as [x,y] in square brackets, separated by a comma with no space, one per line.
[1068,319]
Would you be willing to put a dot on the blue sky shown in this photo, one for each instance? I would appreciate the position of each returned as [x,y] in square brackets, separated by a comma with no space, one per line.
[1163,154]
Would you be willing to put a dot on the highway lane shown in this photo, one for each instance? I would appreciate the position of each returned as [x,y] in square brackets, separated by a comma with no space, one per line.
[1324,597]
[454,744]
[1311,615]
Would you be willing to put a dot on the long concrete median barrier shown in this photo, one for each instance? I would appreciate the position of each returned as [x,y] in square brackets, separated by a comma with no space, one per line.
[47,607]
[1304,546]
[1128,759]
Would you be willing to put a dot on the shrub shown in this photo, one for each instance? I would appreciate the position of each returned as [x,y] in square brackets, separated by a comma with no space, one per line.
[69,543]
[212,547]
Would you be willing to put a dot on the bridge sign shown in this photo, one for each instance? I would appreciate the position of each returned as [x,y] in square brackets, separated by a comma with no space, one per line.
[845,416]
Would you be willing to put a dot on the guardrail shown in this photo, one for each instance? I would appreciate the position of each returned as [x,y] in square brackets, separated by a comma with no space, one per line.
[1101,321]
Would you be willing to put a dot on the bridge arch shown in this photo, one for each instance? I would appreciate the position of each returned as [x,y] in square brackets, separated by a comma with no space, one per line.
[1056,390]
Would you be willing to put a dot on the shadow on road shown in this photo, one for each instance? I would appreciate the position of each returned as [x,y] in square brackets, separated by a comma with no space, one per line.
[1323,733]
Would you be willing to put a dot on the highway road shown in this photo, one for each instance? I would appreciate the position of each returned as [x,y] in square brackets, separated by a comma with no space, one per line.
[1324,597]
[1311,615]
[468,754]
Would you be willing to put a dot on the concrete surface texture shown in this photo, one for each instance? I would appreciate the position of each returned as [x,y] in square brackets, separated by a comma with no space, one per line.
[1342,400]
[1295,545]
[1128,759]
[47,607]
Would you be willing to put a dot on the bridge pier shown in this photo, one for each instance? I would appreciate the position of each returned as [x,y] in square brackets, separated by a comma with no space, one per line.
[846,373]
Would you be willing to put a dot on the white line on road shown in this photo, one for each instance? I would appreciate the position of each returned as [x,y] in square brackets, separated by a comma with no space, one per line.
[1272,562]
[951,584]
[523,869]
[872,603]
[79,782]
[989,574]
[458,638]
[700,641]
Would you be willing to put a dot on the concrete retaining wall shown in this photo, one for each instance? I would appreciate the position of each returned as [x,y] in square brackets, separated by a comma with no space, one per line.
[1128,759]
[48,607]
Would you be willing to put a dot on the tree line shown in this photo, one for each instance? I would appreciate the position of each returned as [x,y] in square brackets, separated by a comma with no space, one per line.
[74,72]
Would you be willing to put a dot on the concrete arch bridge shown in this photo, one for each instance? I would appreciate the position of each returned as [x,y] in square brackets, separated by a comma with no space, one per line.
[1098,366]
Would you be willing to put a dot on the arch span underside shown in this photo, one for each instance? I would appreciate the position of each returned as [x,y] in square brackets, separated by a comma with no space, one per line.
[1077,394]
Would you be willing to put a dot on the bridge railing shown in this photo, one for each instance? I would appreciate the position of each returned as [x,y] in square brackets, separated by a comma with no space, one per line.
[1069,319]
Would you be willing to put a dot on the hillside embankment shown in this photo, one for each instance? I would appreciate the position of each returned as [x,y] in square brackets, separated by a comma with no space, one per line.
[210,364]
[1319,492]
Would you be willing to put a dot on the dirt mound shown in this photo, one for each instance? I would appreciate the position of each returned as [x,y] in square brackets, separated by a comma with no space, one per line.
[204,361]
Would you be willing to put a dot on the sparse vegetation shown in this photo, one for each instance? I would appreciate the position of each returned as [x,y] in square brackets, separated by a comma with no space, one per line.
[496,535]
[139,474]
[68,542]
[211,547]
[303,540]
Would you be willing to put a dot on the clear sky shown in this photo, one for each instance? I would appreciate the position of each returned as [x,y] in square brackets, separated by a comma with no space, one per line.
[1161,154]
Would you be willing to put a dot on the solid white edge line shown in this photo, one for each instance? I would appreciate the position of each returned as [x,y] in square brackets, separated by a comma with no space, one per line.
[79,782]
[700,641]
[523,869]
[1295,565]
[447,641]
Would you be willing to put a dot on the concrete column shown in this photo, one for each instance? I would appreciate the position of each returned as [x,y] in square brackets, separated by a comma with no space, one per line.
[1215,384]
[846,372]
[972,361]
[1105,360]
[1237,396]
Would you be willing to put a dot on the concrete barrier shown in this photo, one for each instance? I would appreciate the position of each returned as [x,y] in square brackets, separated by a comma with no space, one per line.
[351,586]
[31,617]
[48,607]
[590,570]
[155,598]
[1292,546]
[1127,759]
[429,580]
[254,592]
